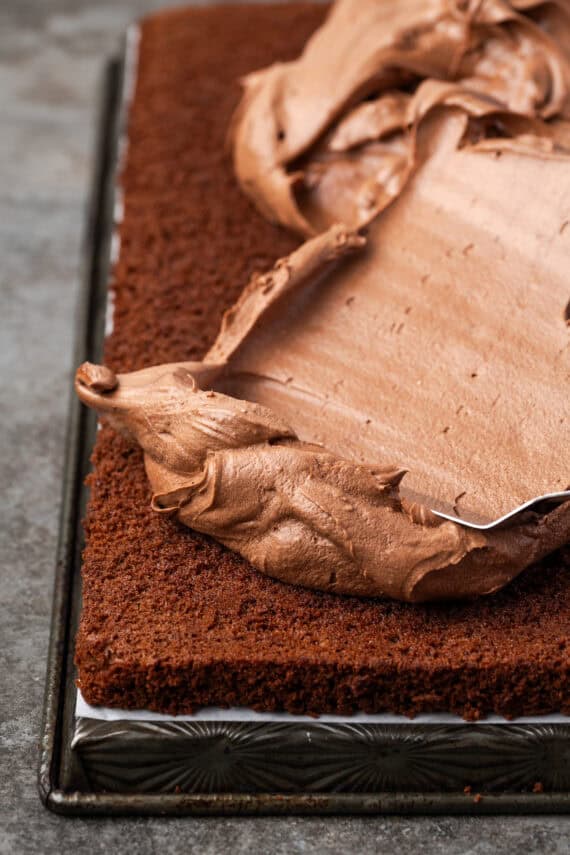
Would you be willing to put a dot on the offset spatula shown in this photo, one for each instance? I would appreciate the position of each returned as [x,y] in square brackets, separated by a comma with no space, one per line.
[551,498]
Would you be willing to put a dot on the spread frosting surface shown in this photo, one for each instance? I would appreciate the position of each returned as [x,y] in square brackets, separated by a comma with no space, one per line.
[437,343]
[442,346]
[445,344]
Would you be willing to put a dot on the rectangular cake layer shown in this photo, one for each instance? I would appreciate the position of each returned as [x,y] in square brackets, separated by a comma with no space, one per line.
[172,621]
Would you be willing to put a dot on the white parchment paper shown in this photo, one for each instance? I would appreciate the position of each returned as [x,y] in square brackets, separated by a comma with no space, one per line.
[85,710]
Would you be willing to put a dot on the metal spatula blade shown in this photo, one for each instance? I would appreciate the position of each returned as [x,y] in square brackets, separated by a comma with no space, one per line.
[556,498]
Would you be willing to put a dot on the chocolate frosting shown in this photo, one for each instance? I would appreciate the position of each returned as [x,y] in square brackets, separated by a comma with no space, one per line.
[437,344]
[311,152]
[442,346]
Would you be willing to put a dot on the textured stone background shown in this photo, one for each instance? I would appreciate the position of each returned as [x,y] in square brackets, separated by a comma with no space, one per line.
[51,57]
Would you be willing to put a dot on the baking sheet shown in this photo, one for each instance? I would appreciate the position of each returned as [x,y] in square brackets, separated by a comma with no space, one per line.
[113,762]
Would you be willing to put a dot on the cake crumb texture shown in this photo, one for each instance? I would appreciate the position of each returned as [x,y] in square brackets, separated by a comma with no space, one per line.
[171,621]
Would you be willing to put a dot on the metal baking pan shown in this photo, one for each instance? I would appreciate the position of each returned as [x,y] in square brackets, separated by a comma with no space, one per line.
[90,767]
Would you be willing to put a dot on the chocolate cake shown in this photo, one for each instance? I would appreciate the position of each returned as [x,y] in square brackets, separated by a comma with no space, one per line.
[171,620]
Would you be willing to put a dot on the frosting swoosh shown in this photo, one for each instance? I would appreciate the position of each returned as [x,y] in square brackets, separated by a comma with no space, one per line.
[233,470]
[310,153]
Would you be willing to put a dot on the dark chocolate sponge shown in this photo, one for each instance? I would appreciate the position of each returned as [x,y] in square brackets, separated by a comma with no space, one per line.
[171,621]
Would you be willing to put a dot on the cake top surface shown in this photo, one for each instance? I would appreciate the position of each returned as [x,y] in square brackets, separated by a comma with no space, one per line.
[161,603]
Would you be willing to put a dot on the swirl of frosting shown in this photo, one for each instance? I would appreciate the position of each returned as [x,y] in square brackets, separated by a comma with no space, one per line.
[310,153]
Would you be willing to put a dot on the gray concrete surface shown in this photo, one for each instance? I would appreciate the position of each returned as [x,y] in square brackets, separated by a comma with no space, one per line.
[51,56]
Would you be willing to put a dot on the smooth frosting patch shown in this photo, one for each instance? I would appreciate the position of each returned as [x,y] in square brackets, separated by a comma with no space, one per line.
[443,347]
